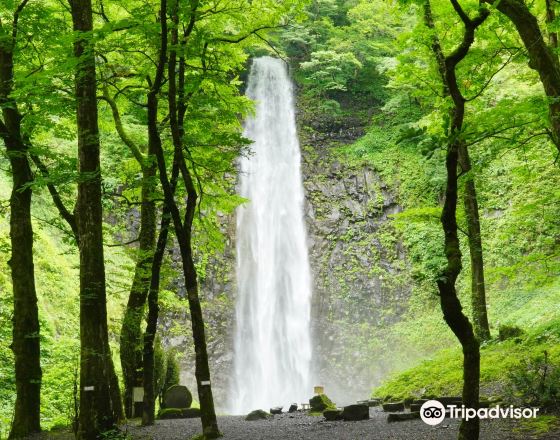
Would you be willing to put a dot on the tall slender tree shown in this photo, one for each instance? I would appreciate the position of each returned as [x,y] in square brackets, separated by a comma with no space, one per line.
[450,304]
[25,345]
[131,332]
[183,229]
[100,403]
[470,203]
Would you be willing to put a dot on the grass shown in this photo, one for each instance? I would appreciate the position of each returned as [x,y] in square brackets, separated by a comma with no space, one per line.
[539,425]
[440,373]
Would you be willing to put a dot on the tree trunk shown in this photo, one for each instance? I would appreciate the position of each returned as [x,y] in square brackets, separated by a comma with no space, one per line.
[131,332]
[100,403]
[183,231]
[450,304]
[25,319]
[550,19]
[541,57]
[470,202]
[148,413]
[478,285]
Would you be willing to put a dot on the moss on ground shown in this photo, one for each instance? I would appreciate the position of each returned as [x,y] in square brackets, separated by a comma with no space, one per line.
[442,374]
[540,425]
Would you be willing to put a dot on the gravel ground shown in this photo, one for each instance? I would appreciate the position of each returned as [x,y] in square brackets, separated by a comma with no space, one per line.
[301,426]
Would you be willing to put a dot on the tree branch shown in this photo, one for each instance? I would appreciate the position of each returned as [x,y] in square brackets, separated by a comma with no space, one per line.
[140,158]
[55,195]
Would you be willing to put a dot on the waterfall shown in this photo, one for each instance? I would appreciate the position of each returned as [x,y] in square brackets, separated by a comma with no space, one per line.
[272,345]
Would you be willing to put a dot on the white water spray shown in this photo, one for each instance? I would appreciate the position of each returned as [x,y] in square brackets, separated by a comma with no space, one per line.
[272,337]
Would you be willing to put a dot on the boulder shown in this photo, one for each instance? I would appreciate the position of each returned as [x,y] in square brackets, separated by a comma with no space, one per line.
[374,402]
[415,407]
[178,413]
[293,408]
[393,406]
[177,396]
[258,414]
[332,414]
[320,402]
[276,410]
[399,417]
[352,413]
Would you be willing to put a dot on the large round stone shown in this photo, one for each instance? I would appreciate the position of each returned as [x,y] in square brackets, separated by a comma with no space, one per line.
[177,396]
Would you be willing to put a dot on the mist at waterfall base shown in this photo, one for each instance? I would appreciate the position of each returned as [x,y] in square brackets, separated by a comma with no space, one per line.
[272,341]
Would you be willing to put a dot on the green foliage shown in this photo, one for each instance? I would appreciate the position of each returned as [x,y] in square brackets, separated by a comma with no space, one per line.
[540,425]
[342,50]
[536,382]
[172,371]
[509,332]
[440,372]
[329,71]
[160,368]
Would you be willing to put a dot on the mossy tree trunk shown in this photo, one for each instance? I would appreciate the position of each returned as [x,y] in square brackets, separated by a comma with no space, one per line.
[131,340]
[450,304]
[131,331]
[25,344]
[100,401]
[478,284]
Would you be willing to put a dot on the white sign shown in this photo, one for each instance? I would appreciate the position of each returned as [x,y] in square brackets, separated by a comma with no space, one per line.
[89,388]
[138,394]
[204,382]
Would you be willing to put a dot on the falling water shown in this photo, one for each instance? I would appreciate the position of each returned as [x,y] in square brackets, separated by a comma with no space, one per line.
[272,338]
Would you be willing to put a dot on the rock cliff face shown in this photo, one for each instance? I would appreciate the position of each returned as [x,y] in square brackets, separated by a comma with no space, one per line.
[360,277]
[360,281]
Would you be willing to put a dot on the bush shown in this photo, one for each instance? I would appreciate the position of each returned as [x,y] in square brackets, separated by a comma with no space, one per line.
[509,332]
[536,382]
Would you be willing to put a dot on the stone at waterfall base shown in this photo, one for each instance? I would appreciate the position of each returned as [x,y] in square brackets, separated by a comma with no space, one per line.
[178,413]
[393,406]
[320,402]
[332,415]
[258,414]
[354,413]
